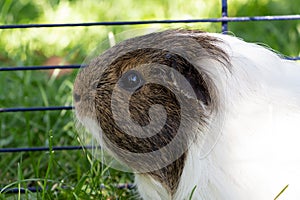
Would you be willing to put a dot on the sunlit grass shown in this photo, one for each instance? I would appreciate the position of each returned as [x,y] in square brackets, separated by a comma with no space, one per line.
[73,43]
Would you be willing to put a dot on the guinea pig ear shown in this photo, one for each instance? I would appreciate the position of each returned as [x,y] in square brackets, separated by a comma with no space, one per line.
[194,78]
[212,45]
[213,50]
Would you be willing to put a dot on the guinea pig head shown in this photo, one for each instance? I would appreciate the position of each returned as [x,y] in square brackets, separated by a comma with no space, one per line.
[149,99]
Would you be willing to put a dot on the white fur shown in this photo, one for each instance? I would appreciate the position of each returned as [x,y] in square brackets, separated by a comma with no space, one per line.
[258,151]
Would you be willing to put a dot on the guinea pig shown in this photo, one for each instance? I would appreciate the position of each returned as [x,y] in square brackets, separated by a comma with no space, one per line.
[196,115]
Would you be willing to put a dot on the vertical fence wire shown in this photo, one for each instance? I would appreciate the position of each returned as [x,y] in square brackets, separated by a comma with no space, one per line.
[224,16]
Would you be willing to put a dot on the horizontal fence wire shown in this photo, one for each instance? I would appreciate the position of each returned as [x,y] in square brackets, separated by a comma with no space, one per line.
[24,68]
[34,149]
[20,190]
[224,20]
[29,109]
[115,23]
[292,58]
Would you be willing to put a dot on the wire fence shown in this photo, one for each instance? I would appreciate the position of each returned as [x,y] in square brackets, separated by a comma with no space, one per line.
[224,20]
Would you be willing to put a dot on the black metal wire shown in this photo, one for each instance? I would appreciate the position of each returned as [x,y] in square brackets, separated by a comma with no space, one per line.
[23,68]
[20,190]
[35,149]
[222,19]
[224,15]
[292,58]
[36,109]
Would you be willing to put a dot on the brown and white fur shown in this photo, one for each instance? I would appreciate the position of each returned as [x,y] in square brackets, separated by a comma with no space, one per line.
[250,105]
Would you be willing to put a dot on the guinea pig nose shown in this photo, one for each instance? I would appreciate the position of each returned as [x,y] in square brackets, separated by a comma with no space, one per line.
[76,97]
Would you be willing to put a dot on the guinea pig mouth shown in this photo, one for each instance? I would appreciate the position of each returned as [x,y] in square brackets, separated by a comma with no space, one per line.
[92,127]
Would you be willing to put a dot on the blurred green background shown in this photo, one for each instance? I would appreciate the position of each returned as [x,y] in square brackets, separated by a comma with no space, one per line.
[34,46]
[73,174]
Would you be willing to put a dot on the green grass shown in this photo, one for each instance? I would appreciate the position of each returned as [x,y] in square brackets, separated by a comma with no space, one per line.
[74,174]
[61,174]
[281,192]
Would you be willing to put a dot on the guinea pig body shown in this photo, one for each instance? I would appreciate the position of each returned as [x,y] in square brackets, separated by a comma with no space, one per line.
[196,115]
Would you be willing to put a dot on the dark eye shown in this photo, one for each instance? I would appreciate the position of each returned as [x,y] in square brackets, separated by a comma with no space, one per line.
[131,80]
